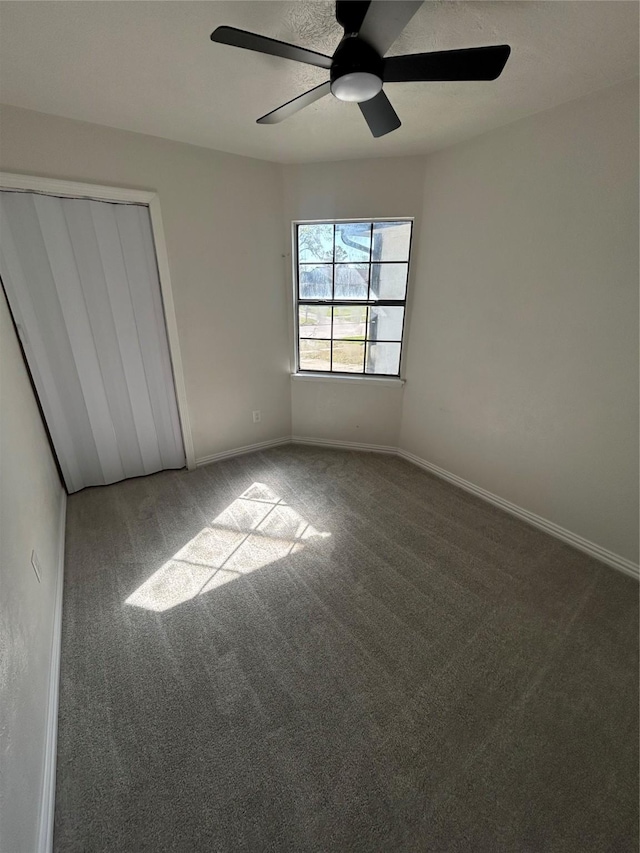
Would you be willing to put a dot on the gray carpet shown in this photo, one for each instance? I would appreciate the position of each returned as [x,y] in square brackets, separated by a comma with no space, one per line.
[315,650]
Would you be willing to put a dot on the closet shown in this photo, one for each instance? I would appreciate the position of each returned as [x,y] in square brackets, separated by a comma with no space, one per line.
[81,279]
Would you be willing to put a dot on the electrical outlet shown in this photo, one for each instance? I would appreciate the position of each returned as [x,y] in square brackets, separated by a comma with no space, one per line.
[36,565]
[257,416]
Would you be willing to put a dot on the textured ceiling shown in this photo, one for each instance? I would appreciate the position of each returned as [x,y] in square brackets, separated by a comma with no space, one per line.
[150,67]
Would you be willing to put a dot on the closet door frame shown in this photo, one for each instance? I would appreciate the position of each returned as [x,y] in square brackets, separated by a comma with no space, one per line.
[73,189]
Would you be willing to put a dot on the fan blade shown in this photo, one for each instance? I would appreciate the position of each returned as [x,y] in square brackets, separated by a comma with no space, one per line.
[262,44]
[292,106]
[385,21]
[473,63]
[380,115]
[351,13]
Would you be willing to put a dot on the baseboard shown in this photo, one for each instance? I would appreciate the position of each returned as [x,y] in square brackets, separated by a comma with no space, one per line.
[295,439]
[622,564]
[240,451]
[344,445]
[48,799]
[590,548]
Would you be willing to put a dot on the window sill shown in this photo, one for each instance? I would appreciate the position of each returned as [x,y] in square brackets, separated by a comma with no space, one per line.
[355,379]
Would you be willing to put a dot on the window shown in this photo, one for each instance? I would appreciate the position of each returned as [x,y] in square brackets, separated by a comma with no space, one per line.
[351,288]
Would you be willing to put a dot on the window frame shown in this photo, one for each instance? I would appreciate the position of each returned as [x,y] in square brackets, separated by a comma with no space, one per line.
[364,303]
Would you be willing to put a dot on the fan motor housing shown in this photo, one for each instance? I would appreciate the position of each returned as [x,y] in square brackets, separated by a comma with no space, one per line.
[355,55]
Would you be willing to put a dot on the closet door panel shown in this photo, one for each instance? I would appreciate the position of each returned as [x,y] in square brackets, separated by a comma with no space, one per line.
[139,257]
[83,286]
[71,289]
[31,291]
[126,333]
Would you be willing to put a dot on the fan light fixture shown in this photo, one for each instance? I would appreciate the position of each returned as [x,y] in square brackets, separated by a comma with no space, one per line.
[358,86]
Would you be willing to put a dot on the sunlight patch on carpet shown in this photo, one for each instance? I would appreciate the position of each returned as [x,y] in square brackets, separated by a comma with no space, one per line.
[256,529]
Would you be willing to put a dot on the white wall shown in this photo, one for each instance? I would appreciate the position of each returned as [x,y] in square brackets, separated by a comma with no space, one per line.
[345,410]
[31,502]
[222,218]
[522,367]
[339,409]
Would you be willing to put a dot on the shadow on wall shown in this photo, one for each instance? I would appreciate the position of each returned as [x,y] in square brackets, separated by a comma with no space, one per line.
[256,529]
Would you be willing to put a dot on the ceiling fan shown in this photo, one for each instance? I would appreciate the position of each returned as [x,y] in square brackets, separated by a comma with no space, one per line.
[357,69]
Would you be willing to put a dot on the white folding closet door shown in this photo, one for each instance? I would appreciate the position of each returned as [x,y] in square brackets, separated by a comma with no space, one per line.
[82,282]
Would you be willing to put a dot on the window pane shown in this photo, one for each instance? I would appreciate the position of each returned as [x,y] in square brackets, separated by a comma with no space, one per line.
[315,242]
[348,356]
[340,266]
[385,323]
[388,281]
[315,355]
[383,358]
[352,281]
[349,321]
[353,241]
[391,241]
[315,281]
[314,321]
